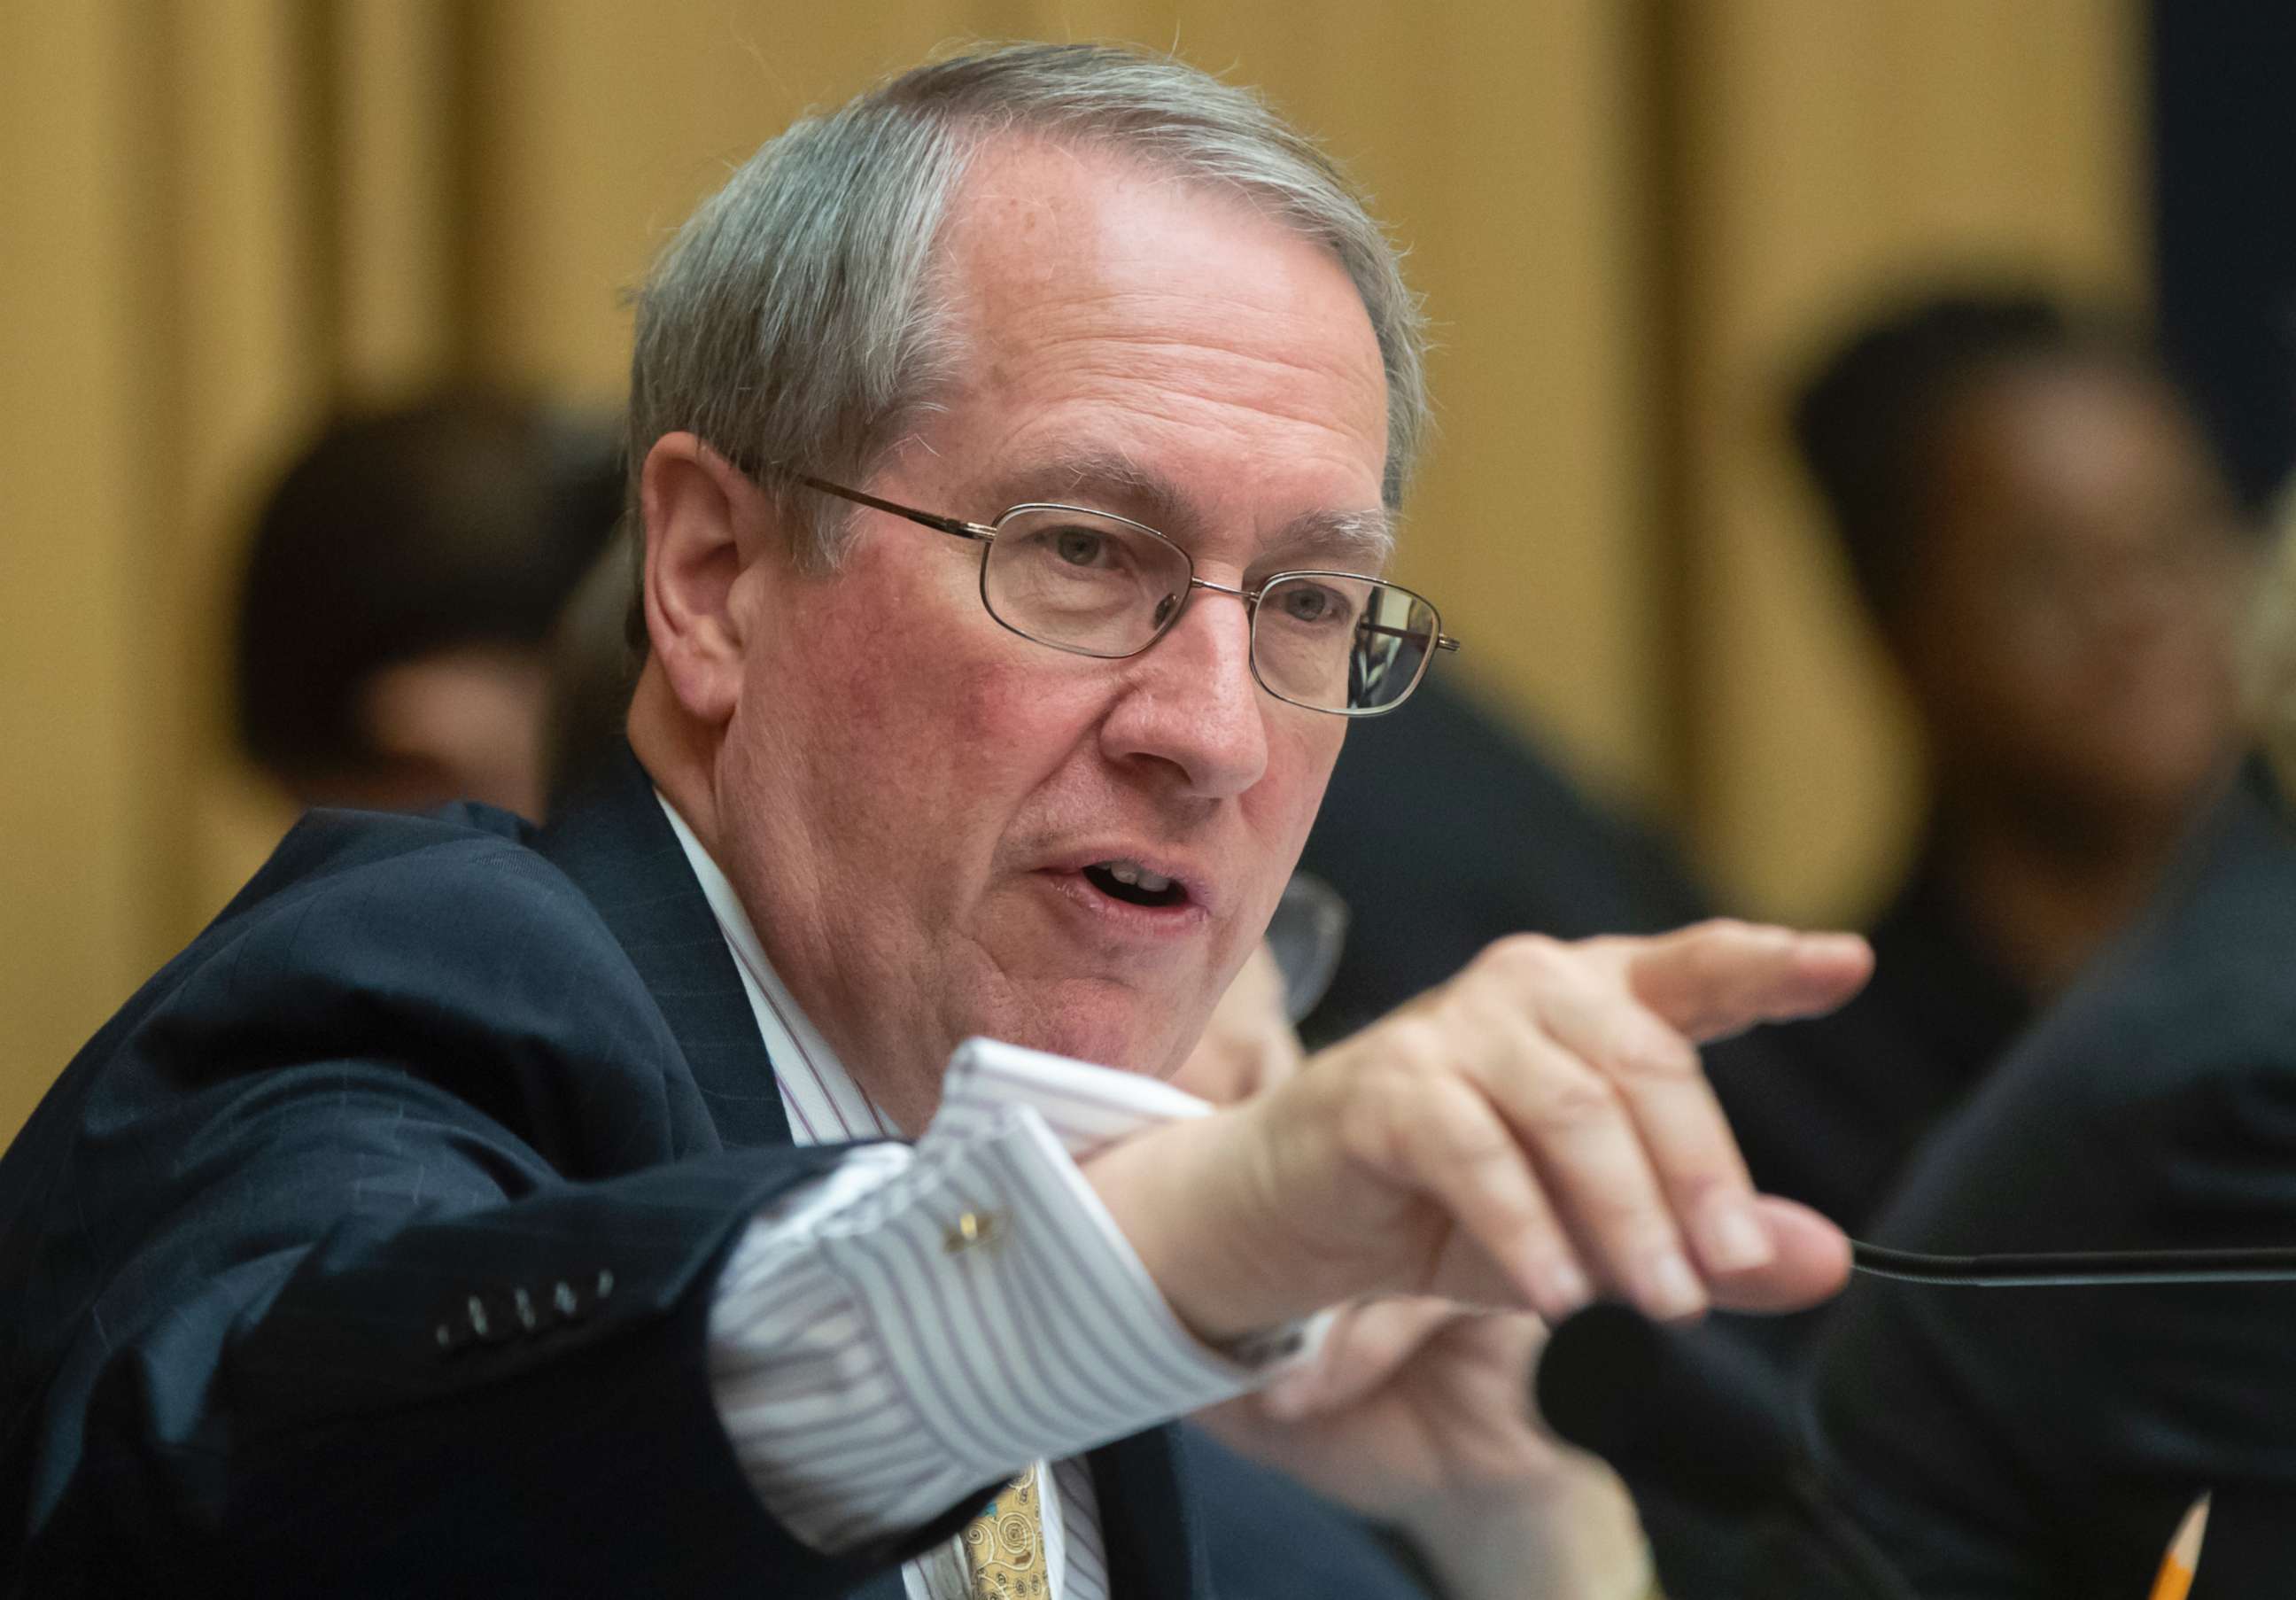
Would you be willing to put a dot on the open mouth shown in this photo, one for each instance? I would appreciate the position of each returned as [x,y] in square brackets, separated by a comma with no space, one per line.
[1134,884]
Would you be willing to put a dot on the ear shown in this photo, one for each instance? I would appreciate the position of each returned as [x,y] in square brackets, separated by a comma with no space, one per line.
[704,528]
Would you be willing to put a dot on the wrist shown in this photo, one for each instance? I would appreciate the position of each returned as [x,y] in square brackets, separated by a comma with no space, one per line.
[1174,1193]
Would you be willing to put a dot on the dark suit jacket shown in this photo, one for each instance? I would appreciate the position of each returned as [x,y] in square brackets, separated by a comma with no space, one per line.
[369,1248]
[2044,1442]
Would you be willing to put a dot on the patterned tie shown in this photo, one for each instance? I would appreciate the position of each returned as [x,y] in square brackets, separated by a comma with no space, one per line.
[1005,1544]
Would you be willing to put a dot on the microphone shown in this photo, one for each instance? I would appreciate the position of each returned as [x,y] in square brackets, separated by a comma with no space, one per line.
[1697,1417]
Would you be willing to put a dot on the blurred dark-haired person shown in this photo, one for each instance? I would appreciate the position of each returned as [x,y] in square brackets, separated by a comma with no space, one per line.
[2044,1444]
[593,663]
[402,583]
[2053,558]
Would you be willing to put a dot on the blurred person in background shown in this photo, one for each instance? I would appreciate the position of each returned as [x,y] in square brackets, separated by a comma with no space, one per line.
[404,576]
[596,646]
[2044,1444]
[2053,558]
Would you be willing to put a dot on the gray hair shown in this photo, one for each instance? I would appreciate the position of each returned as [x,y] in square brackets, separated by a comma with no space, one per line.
[794,318]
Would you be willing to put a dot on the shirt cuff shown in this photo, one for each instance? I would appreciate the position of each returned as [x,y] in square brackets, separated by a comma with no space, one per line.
[924,1323]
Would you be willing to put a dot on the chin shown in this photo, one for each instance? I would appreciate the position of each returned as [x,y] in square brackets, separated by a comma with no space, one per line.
[1100,1022]
[1123,1048]
[1131,1036]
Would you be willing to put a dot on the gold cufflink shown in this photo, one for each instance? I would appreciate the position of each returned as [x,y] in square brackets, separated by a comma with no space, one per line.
[973,1227]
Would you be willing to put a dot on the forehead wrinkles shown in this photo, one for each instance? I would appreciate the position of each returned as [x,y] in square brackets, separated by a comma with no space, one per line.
[1159,373]
[1048,245]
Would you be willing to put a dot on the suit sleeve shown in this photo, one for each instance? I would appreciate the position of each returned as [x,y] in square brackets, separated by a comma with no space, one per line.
[2043,1442]
[373,1247]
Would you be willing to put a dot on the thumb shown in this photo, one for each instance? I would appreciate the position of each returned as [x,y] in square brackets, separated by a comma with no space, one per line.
[1365,1346]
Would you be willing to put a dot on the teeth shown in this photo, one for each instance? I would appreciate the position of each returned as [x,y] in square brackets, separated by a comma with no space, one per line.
[1137,876]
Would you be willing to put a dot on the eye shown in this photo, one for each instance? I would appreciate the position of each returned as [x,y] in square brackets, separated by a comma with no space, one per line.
[1311,604]
[1079,547]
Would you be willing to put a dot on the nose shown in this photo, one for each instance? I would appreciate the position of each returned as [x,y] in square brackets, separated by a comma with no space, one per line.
[1190,702]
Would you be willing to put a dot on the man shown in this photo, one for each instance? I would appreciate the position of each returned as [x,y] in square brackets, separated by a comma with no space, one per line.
[500,1211]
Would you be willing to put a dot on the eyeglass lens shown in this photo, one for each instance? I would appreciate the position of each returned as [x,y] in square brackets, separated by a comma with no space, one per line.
[1101,587]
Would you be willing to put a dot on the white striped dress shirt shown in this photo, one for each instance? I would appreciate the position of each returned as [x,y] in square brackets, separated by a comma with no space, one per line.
[868,1375]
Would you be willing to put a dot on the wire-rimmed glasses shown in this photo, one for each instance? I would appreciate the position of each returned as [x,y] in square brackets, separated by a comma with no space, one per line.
[1095,584]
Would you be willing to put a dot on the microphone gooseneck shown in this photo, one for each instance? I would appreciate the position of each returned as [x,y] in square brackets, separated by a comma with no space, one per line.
[1682,1410]
[2067,1270]
[1698,1419]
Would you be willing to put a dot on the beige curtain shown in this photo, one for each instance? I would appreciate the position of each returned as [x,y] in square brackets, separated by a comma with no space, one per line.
[223,216]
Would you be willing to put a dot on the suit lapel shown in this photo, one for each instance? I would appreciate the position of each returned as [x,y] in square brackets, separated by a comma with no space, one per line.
[612,840]
[1147,1525]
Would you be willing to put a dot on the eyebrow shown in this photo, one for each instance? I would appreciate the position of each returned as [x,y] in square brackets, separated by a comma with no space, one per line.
[1112,480]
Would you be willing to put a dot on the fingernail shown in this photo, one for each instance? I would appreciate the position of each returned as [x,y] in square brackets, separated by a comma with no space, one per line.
[1563,1288]
[1671,1289]
[1731,1238]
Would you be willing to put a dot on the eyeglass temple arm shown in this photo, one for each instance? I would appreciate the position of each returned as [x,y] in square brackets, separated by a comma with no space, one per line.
[953,525]
[1443,641]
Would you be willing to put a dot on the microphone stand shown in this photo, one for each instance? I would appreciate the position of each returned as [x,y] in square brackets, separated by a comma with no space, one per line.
[1841,1538]
[1669,1409]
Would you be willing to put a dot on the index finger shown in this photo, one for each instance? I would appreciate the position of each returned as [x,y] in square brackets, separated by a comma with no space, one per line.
[1718,978]
[1683,1131]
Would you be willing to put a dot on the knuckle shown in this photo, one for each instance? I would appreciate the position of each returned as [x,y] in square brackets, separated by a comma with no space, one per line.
[1575,1100]
[1661,1061]
[1384,1097]
[1470,1135]
[1525,955]
[1368,1129]
[1634,1223]
[1415,1045]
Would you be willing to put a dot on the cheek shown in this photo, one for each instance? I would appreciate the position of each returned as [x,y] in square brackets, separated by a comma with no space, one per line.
[1983,667]
[1302,750]
[887,676]
[1281,809]
[838,727]
[1017,737]
[934,738]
